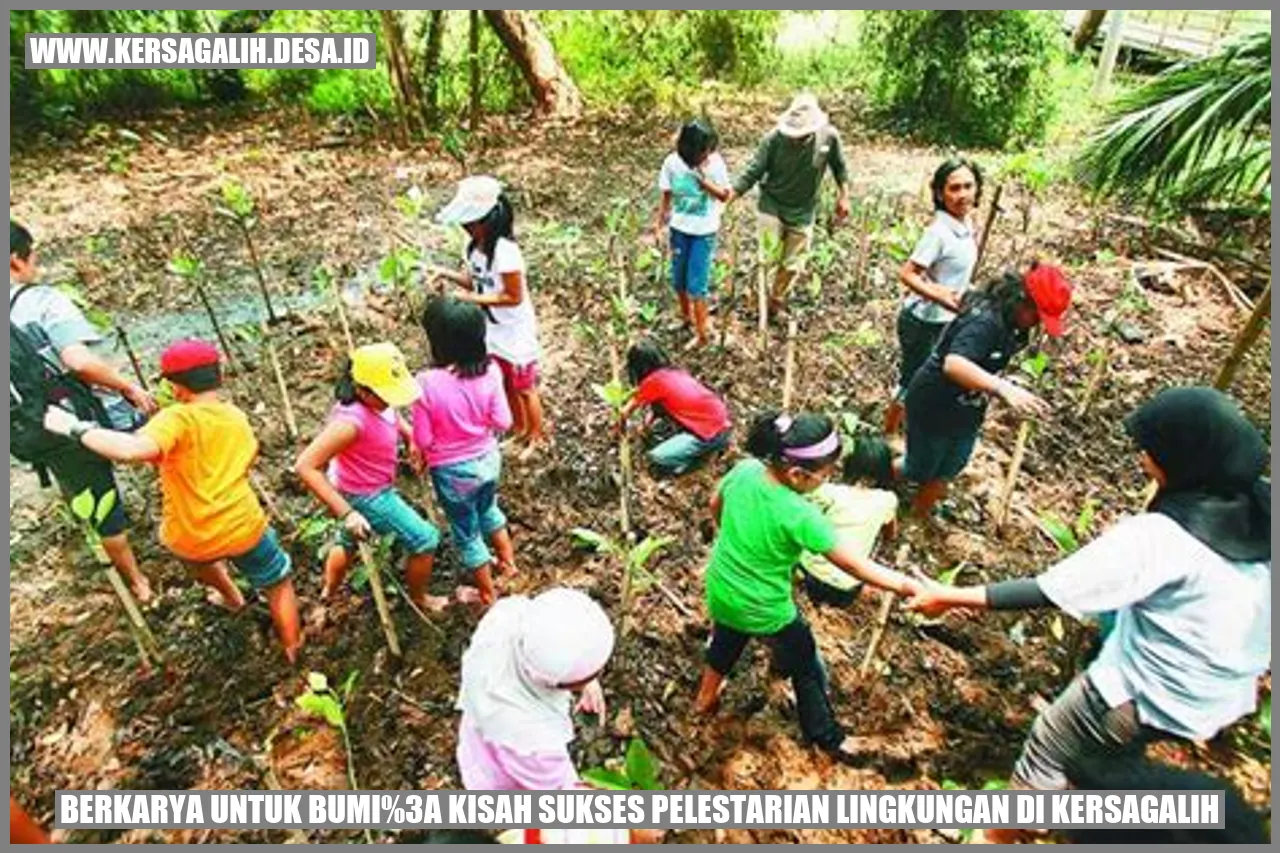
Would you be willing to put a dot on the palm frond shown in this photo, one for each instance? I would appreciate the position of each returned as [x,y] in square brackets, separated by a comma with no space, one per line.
[1196,132]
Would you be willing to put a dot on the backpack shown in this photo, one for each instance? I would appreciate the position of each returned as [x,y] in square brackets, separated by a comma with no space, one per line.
[34,384]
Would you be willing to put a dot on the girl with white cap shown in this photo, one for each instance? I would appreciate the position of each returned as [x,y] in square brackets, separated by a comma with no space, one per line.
[527,659]
[495,278]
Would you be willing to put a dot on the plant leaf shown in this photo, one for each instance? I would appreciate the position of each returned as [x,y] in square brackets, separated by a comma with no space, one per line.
[641,554]
[1060,532]
[323,706]
[614,393]
[1084,521]
[1264,715]
[105,505]
[317,682]
[591,539]
[602,777]
[348,684]
[82,505]
[642,767]
[1057,629]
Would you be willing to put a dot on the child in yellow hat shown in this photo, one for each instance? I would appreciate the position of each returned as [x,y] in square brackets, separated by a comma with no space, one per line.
[351,467]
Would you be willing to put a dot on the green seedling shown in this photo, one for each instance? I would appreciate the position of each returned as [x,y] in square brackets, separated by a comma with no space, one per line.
[89,513]
[1069,537]
[613,393]
[322,702]
[966,835]
[192,270]
[639,577]
[638,771]
[237,205]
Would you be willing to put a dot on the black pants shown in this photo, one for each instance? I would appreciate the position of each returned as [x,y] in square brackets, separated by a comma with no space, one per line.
[916,338]
[797,656]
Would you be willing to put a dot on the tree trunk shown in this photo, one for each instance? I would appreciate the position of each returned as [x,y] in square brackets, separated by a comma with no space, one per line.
[473,62]
[1248,335]
[401,76]
[1087,29]
[431,67]
[554,92]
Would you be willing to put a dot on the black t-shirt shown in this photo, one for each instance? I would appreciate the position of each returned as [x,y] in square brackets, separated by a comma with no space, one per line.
[942,406]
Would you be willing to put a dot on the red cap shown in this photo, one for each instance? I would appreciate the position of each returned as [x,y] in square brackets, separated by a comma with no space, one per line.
[1051,292]
[182,356]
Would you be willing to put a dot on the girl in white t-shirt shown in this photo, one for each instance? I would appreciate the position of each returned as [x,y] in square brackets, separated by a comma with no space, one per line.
[694,182]
[494,278]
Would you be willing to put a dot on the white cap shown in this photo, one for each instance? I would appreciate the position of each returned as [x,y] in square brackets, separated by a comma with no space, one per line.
[802,118]
[476,196]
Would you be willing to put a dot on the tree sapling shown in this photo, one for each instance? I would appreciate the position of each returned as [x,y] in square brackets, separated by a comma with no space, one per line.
[237,205]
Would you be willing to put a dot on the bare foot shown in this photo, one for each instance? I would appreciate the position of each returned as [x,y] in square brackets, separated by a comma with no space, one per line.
[706,705]
[141,589]
[533,447]
[217,599]
[467,595]
[431,603]
[327,593]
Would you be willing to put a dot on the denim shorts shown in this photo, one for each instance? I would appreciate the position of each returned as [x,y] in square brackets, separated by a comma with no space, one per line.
[684,452]
[691,257]
[933,456]
[468,491]
[265,564]
[387,512]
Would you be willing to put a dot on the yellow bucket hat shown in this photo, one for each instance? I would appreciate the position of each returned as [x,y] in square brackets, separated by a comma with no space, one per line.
[381,369]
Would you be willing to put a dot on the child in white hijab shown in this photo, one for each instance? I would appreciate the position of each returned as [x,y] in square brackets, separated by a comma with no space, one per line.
[527,659]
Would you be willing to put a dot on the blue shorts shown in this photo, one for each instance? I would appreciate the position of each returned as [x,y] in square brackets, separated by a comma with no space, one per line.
[691,257]
[387,512]
[468,491]
[265,564]
[684,452]
[934,456]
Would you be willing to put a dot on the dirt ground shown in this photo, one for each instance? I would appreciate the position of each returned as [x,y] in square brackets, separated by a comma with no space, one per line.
[945,702]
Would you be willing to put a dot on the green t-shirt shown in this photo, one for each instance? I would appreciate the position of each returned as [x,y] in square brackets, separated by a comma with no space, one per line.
[764,528]
[790,174]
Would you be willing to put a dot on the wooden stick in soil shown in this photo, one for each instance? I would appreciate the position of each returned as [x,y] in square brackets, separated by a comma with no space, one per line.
[987,227]
[290,422]
[123,337]
[1248,335]
[257,271]
[217,327]
[380,598]
[142,636]
[882,622]
[762,292]
[1095,382]
[789,370]
[1015,467]
[342,313]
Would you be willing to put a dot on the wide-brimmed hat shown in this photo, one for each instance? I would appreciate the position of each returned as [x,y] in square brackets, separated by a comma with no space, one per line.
[802,118]
[476,196]
[381,369]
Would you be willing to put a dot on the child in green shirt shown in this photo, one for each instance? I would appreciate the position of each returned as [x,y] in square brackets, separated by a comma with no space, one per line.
[765,524]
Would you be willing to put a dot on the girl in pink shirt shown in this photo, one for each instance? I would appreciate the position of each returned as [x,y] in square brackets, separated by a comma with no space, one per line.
[351,467]
[459,413]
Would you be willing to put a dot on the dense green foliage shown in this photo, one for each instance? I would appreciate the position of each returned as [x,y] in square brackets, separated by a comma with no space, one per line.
[975,78]
[1199,132]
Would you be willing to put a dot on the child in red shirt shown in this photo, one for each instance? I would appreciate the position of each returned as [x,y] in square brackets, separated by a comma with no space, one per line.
[700,414]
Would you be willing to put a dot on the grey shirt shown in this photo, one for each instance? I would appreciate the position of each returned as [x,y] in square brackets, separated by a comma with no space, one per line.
[1192,632]
[55,322]
[948,253]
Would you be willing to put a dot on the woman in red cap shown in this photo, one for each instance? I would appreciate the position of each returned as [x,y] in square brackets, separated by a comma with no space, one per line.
[947,398]
[204,448]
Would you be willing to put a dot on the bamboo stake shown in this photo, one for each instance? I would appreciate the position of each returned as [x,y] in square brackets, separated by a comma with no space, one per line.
[289,421]
[987,228]
[762,293]
[1015,466]
[257,271]
[1095,382]
[415,608]
[864,247]
[342,313]
[380,598]
[133,357]
[142,636]
[882,622]
[1249,334]
[788,376]
[264,495]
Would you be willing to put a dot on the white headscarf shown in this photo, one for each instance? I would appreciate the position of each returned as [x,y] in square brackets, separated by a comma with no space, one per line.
[522,650]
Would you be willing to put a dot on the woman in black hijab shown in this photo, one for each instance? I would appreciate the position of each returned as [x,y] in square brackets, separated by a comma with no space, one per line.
[1189,581]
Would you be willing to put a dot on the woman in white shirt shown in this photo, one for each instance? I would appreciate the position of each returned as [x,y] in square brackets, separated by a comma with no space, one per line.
[496,280]
[1189,581]
[937,274]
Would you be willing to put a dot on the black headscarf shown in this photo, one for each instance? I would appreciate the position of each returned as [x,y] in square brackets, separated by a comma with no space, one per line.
[1214,461]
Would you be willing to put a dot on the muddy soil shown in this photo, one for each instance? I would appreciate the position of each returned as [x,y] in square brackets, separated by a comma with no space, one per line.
[942,702]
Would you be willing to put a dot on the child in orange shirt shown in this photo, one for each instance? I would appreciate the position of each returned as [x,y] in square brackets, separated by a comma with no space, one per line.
[204,448]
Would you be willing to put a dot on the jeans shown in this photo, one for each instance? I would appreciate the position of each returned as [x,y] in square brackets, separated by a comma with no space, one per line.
[691,257]
[468,491]
[387,512]
[684,451]
[797,656]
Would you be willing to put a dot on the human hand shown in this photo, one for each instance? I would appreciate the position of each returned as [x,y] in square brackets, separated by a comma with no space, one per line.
[59,421]
[842,208]
[592,699]
[1021,400]
[929,599]
[141,399]
[357,525]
